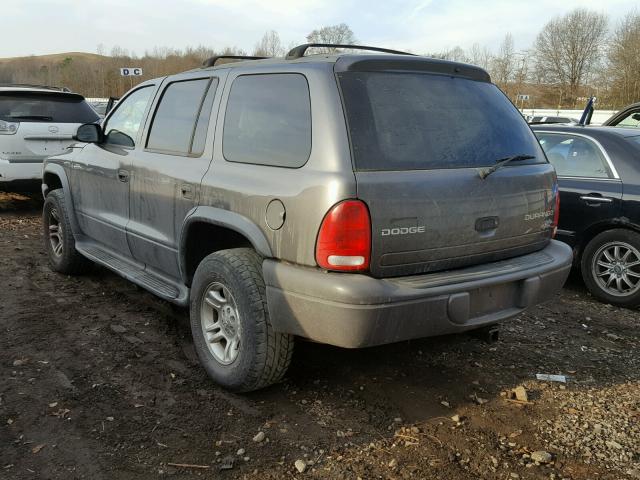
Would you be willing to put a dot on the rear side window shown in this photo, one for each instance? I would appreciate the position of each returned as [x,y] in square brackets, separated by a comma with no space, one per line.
[268,120]
[182,117]
[630,121]
[574,156]
[45,107]
[418,121]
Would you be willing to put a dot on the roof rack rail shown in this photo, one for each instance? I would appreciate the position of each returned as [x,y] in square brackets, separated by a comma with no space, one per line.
[211,62]
[298,52]
[30,85]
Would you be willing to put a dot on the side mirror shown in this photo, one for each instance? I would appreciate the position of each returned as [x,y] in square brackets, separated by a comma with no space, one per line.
[89,133]
[636,116]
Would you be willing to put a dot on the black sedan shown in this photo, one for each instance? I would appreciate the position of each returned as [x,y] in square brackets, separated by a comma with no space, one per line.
[599,178]
[628,117]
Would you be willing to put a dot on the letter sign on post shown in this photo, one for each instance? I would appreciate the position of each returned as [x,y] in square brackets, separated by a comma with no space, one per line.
[131,72]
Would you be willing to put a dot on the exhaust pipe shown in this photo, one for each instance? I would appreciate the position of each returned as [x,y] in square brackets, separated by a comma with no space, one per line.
[489,334]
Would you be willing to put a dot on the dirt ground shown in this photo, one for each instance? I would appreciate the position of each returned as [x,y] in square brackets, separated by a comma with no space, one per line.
[98,380]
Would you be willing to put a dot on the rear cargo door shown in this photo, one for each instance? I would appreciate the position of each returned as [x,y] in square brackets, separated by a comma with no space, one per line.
[420,142]
[43,123]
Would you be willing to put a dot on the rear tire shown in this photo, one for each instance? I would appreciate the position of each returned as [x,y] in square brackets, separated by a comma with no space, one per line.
[58,237]
[232,334]
[610,267]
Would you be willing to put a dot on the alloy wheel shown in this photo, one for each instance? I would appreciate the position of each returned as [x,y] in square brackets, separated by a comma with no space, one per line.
[616,268]
[55,232]
[220,323]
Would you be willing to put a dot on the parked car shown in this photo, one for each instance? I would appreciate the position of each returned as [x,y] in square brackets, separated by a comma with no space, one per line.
[599,177]
[100,108]
[349,199]
[540,120]
[628,117]
[36,122]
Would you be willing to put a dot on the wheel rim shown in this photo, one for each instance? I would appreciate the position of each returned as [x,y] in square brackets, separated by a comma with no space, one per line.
[221,323]
[616,268]
[55,232]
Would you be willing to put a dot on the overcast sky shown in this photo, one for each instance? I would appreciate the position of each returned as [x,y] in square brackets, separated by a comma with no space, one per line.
[35,27]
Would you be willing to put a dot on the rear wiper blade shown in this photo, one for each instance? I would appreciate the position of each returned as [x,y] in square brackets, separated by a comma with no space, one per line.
[32,117]
[485,172]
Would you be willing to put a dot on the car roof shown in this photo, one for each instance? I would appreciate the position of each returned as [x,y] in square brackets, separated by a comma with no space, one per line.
[352,61]
[35,88]
[588,130]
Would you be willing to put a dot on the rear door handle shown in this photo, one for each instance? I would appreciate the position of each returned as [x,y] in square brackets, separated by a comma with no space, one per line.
[595,199]
[123,175]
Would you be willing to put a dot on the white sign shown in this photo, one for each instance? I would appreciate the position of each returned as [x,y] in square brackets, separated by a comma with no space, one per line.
[131,72]
[523,97]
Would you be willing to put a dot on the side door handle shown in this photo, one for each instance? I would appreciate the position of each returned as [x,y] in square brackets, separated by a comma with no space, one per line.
[123,175]
[596,199]
[186,190]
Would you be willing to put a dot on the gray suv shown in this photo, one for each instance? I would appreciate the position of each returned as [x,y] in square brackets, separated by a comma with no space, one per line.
[350,199]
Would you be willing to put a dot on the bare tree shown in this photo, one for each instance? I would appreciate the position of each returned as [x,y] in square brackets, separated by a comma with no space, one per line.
[624,60]
[569,47]
[338,34]
[503,64]
[480,56]
[269,46]
[455,54]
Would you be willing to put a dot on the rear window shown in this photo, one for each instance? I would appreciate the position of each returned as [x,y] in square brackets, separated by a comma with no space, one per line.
[417,121]
[45,107]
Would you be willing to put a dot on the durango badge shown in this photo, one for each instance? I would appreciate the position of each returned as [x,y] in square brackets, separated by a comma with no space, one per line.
[537,215]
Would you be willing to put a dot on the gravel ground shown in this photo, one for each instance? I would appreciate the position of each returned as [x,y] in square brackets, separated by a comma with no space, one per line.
[99,380]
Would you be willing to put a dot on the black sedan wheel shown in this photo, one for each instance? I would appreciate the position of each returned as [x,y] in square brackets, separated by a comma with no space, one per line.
[611,267]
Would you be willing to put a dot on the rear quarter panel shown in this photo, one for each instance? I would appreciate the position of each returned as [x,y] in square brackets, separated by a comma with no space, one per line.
[306,192]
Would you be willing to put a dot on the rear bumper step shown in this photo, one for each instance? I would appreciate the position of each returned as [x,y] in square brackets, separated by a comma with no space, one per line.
[357,310]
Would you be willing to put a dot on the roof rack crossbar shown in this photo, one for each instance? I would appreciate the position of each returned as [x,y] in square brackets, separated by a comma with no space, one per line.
[211,62]
[30,85]
[299,51]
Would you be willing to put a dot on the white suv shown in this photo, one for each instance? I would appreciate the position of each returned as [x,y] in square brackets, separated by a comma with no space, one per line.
[36,122]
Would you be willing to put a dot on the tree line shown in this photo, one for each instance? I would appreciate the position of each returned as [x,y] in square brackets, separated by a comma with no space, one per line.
[574,56]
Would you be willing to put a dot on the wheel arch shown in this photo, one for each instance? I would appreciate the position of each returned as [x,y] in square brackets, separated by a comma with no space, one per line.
[209,229]
[54,177]
[593,230]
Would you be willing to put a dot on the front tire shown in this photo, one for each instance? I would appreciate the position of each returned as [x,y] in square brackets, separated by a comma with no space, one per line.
[58,237]
[232,333]
[610,267]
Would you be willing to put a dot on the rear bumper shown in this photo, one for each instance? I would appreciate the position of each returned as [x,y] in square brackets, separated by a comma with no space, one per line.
[357,310]
[20,170]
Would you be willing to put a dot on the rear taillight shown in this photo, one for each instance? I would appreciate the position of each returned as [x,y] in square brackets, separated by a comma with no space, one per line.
[8,128]
[556,214]
[344,239]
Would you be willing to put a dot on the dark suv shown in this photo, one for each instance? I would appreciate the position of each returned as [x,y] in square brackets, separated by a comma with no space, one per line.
[351,199]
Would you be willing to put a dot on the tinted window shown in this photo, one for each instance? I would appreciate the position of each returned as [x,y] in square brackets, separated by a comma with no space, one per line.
[175,119]
[123,125]
[45,107]
[415,121]
[574,156]
[268,120]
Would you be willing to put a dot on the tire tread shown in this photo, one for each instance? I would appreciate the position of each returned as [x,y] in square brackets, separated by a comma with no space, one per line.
[73,262]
